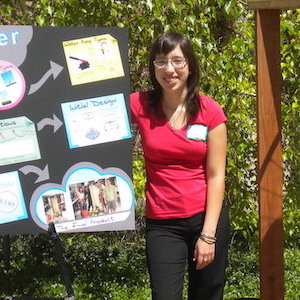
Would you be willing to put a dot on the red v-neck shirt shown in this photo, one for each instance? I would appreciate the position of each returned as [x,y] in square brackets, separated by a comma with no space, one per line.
[175,165]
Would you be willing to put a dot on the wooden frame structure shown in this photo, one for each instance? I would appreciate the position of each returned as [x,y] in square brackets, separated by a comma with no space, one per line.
[273,4]
[270,169]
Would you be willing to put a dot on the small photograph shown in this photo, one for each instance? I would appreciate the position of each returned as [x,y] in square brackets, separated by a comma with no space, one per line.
[79,200]
[55,208]
[111,195]
[5,98]
[8,78]
[94,198]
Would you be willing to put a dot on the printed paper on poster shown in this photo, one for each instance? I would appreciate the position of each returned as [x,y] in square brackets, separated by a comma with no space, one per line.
[12,205]
[93,59]
[96,120]
[12,85]
[18,141]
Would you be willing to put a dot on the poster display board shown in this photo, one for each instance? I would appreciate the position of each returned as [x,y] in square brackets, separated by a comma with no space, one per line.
[65,138]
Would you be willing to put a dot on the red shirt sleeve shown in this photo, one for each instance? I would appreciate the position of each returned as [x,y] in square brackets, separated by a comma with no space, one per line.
[212,112]
[133,106]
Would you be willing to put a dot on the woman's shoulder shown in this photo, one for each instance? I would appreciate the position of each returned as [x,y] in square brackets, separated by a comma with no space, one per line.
[139,100]
[207,102]
[138,104]
[141,96]
[211,111]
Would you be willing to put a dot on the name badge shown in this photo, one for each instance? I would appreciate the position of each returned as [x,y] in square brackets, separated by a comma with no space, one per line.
[197,132]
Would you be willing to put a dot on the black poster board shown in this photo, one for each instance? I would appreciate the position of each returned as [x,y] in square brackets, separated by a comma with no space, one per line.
[65,140]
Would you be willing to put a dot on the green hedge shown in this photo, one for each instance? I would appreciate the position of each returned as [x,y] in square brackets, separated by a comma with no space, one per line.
[112,266]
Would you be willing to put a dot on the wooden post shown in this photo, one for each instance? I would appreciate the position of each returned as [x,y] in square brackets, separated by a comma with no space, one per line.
[273,4]
[270,171]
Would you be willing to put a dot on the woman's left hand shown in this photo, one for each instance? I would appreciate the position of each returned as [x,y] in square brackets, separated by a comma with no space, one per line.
[204,254]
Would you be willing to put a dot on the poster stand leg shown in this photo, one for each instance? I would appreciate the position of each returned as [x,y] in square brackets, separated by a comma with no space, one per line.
[7,268]
[61,261]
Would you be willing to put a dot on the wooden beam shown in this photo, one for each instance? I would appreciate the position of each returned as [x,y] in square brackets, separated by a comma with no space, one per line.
[270,170]
[273,4]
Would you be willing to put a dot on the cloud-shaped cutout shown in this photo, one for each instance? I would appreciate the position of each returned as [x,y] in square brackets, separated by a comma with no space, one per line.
[78,204]
[14,41]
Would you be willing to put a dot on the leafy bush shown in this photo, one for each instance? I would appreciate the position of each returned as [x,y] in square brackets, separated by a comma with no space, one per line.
[120,272]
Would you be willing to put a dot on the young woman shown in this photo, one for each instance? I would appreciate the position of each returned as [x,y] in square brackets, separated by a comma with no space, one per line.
[184,141]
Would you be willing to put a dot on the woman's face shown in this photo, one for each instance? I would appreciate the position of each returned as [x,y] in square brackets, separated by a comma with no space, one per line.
[171,77]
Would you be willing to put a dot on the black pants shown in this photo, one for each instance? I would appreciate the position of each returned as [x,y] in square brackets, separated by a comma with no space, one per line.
[170,247]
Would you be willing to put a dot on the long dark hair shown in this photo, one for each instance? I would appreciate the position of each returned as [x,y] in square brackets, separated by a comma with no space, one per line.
[164,44]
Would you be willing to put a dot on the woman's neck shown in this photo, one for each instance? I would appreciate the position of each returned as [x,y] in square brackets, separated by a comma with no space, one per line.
[173,106]
[173,99]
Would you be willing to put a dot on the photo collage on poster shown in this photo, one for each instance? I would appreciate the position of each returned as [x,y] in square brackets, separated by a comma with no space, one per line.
[93,198]
[87,197]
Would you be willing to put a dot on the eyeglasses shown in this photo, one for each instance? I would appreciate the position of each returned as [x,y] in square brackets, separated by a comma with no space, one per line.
[178,63]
